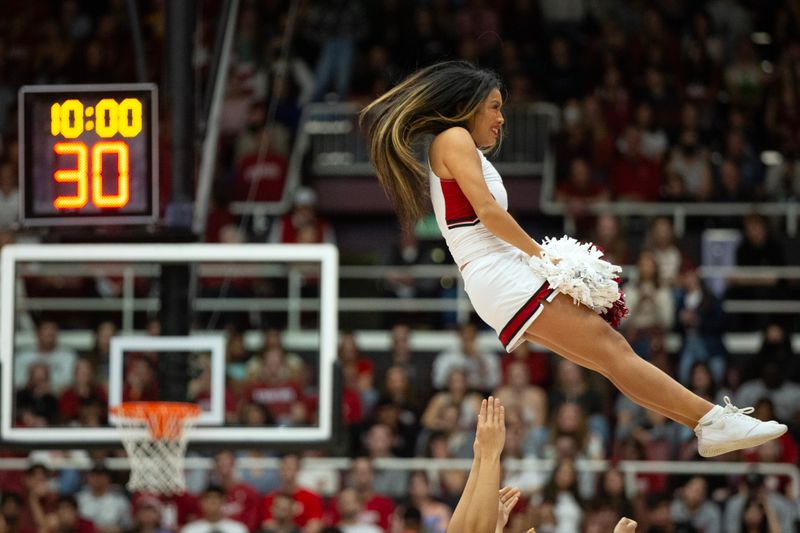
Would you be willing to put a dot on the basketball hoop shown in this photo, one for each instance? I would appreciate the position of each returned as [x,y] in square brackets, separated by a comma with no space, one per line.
[154,435]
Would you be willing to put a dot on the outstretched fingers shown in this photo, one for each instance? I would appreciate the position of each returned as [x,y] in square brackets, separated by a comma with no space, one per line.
[501,413]
[506,492]
[490,431]
[509,493]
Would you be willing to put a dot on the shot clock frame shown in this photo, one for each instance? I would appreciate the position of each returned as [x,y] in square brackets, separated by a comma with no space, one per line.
[88,154]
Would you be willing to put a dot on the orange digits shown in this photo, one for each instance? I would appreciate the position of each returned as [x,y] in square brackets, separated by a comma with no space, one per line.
[78,175]
[123,174]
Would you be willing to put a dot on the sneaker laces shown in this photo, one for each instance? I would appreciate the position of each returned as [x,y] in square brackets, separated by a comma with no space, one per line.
[731,409]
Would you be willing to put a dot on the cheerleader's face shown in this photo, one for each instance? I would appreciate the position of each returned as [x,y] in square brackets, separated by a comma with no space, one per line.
[487,125]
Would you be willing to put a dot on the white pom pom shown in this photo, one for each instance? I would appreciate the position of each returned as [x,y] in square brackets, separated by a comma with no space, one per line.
[576,269]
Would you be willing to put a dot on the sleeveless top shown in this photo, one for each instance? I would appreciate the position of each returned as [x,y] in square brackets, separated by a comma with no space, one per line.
[466,237]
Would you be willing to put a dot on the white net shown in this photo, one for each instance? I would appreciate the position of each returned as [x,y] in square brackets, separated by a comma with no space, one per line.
[154,435]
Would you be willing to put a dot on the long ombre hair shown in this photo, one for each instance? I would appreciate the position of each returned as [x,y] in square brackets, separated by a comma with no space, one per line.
[426,103]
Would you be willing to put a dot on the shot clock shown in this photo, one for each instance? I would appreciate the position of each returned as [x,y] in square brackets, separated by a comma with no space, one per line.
[88,154]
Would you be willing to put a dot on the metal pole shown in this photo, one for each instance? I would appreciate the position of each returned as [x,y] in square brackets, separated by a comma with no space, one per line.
[227,12]
[181,96]
[175,313]
[209,153]
[136,37]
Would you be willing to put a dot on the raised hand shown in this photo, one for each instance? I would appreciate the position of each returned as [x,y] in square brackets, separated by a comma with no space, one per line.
[509,496]
[625,525]
[491,431]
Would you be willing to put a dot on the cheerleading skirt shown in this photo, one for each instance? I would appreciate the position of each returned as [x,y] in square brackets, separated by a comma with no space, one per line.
[506,293]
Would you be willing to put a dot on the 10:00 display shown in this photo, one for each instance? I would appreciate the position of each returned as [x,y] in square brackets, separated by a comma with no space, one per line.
[107,118]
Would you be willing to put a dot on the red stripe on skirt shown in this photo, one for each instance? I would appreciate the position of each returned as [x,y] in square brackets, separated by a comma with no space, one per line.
[526,311]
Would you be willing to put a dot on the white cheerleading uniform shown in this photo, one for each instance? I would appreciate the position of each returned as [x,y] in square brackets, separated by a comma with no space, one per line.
[505,292]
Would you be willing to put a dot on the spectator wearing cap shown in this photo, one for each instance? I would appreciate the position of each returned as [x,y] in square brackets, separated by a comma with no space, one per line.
[307,504]
[147,516]
[213,518]
[99,502]
[302,224]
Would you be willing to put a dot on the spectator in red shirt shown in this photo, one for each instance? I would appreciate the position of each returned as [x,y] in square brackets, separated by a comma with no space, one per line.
[282,398]
[351,358]
[302,224]
[261,177]
[579,191]
[307,504]
[614,99]
[633,176]
[241,500]
[352,404]
[140,381]
[84,390]
[377,508]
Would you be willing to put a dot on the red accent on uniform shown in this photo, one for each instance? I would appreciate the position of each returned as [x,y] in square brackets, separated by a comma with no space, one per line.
[525,313]
[456,206]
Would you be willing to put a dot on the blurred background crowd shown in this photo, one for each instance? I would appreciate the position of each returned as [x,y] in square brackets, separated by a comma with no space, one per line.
[663,101]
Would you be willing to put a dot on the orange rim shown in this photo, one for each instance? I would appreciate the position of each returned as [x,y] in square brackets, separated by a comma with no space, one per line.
[164,420]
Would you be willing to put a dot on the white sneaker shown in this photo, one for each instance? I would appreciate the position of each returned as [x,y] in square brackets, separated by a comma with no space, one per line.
[725,429]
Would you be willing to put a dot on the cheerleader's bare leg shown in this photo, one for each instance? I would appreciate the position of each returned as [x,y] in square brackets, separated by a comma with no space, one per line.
[591,365]
[581,335]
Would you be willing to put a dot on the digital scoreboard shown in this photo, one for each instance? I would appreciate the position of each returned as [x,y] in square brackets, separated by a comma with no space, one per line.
[88,154]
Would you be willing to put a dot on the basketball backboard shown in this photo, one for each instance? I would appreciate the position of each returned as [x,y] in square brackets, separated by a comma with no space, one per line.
[300,281]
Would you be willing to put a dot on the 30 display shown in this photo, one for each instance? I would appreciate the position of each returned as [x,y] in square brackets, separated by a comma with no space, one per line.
[88,154]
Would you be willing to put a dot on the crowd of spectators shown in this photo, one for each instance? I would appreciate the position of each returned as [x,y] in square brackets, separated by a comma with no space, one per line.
[662,101]
[404,404]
